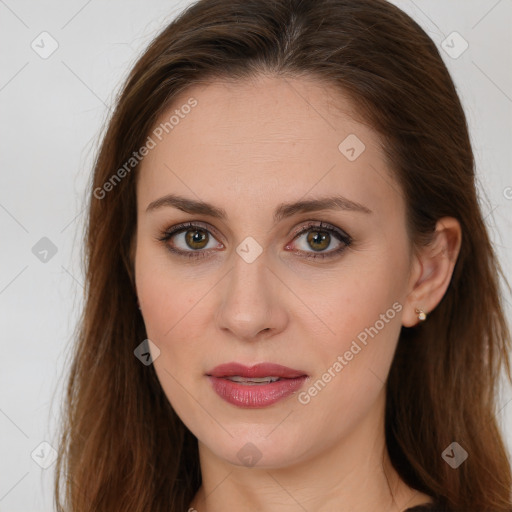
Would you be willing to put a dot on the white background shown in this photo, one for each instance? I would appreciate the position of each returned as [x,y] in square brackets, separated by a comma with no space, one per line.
[51,113]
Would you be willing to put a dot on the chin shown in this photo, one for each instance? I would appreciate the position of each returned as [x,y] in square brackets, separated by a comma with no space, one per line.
[256,451]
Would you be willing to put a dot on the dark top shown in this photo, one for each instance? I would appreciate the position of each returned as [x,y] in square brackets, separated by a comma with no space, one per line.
[431,507]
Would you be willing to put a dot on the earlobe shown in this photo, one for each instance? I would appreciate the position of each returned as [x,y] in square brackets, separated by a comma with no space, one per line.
[435,262]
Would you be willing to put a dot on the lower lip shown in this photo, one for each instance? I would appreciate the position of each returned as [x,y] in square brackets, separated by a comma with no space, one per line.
[256,395]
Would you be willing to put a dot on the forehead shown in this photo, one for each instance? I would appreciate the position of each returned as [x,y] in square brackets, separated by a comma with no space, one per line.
[262,137]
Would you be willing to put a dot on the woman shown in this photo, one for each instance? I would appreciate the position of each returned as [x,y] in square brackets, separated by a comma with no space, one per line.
[292,301]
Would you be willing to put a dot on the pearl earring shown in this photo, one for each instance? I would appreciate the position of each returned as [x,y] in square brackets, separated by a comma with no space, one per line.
[421,314]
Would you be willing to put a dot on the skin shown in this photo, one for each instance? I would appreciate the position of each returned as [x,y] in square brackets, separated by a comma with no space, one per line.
[247,147]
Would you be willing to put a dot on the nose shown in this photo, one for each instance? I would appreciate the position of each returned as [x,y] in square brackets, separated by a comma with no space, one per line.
[252,302]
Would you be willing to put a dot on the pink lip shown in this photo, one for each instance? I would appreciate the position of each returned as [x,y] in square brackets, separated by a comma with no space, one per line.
[257,395]
[258,370]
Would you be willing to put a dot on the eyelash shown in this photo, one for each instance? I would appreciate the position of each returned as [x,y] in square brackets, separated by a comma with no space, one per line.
[305,228]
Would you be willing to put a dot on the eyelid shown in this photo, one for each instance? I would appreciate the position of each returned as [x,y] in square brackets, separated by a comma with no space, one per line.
[183,226]
[321,225]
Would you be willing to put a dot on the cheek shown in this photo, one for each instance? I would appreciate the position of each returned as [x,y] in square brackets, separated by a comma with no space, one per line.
[172,314]
[362,309]
[354,298]
[163,298]
[170,308]
[352,366]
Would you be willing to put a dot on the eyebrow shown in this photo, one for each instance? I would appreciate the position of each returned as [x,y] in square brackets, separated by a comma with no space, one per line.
[284,210]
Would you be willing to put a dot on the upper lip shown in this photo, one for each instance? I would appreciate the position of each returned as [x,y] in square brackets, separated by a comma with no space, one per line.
[258,370]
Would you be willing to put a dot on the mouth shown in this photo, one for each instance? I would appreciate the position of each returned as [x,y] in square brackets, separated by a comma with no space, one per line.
[257,386]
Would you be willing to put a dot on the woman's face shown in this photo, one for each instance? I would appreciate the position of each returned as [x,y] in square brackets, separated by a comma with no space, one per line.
[318,287]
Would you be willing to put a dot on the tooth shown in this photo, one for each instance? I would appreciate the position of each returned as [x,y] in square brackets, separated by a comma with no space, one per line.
[254,380]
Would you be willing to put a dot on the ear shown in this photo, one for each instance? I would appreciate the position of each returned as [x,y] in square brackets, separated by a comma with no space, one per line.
[432,269]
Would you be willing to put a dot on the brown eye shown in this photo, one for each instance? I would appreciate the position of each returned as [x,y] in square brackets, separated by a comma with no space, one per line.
[196,238]
[189,240]
[319,240]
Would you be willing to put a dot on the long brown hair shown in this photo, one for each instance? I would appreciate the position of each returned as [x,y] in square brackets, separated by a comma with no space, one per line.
[122,447]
